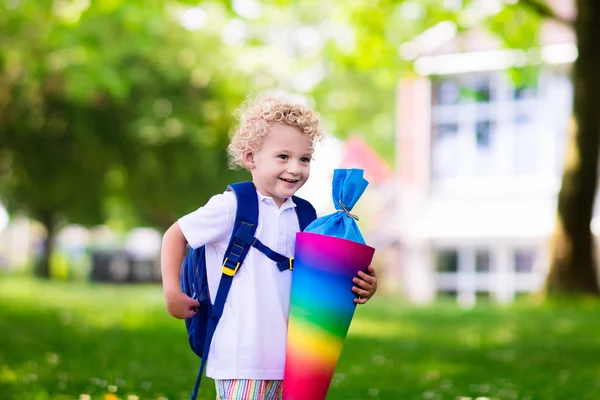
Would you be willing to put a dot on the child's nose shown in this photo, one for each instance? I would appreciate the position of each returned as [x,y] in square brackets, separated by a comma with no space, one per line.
[294,167]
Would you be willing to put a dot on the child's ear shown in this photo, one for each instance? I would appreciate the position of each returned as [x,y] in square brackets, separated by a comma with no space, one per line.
[248,159]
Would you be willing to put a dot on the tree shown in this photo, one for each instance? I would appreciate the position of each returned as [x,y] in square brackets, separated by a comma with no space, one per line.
[573,266]
[110,105]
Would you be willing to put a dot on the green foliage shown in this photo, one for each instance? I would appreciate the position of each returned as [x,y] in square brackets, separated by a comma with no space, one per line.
[112,107]
[61,340]
[113,110]
[515,26]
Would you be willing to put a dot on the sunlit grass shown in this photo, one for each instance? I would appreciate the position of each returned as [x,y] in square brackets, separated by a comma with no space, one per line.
[86,342]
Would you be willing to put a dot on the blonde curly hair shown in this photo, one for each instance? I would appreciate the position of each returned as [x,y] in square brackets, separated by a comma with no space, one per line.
[256,116]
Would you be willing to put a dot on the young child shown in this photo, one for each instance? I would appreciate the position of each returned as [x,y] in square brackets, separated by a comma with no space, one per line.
[275,141]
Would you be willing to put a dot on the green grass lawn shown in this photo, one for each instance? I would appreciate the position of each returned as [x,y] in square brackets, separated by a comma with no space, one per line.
[84,341]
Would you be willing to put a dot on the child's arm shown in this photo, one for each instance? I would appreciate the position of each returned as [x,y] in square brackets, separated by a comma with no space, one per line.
[179,304]
[366,285]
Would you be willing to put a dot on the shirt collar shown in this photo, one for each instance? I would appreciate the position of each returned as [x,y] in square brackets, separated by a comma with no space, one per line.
[288,203]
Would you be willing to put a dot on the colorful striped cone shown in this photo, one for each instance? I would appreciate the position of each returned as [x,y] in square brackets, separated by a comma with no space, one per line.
[321,309]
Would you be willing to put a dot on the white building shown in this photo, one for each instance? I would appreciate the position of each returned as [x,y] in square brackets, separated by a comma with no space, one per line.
[479,167]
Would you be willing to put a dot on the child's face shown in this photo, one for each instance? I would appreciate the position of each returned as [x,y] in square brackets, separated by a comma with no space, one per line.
[282,164]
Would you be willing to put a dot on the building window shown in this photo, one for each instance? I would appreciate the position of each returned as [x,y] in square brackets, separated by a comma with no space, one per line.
[445,151]
[524,92]
[485,125]
[525,144]
[483,261]
[447,92]
[524,260]
[483,134]
[447,261]
[445,131]
[482,89]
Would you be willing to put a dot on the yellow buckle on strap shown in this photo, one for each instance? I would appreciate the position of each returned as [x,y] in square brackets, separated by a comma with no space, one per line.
[291,263]
[228,271]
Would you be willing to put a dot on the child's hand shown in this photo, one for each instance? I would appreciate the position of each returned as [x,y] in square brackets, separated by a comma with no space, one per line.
[366,285]
[181,305]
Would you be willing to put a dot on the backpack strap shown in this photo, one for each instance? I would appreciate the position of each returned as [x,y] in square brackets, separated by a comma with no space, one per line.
[246,220]
[283,262]
[306,212]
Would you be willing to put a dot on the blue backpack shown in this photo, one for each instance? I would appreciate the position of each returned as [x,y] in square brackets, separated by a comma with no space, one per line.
[201,327]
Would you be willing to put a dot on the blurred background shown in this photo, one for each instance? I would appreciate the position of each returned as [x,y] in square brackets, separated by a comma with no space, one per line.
[476,122]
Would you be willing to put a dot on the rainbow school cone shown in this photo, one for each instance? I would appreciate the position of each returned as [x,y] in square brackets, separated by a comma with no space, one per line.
[321,309]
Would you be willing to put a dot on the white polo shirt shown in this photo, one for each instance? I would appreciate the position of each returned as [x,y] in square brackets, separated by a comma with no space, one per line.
[250,339]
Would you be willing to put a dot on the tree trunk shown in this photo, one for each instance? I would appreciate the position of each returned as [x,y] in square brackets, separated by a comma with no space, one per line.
[573,265]
[43,263]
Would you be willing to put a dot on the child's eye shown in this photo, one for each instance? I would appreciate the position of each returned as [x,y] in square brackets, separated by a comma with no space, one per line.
[283,156]
[305,159]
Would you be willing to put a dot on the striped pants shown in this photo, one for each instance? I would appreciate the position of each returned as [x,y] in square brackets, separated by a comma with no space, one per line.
[247,389]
